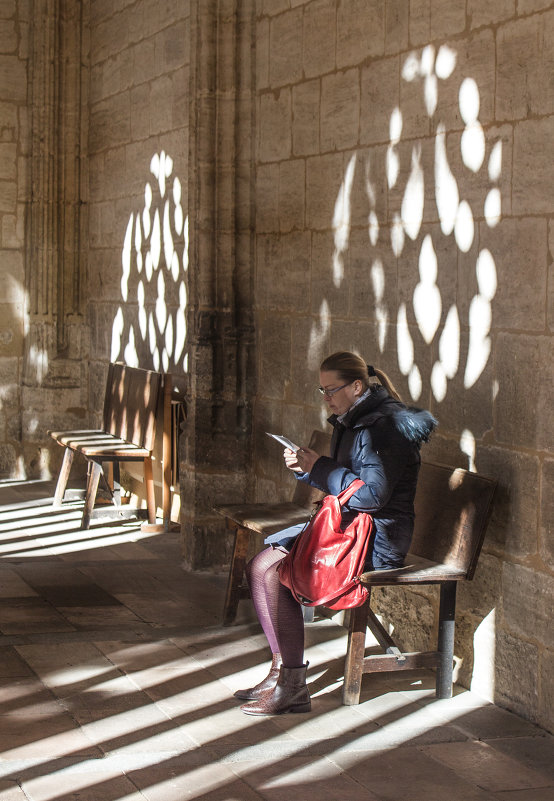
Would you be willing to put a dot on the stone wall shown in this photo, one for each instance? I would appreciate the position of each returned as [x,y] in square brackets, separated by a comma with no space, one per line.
[14,152]
[231,190]
[404,210]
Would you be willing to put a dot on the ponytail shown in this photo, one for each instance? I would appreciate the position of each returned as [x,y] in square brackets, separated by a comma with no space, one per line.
[352,367]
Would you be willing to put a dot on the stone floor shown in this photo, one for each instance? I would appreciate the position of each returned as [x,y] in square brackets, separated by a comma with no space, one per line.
[116,682]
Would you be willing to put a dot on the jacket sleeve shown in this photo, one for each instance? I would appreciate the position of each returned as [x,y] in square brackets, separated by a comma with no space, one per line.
[379,461]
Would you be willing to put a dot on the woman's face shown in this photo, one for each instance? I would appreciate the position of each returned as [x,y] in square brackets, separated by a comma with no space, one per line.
[339,402]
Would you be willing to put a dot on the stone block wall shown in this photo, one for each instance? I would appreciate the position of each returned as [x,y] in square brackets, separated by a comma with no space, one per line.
[404,210]
[255,184]
[138,168]
[14,153]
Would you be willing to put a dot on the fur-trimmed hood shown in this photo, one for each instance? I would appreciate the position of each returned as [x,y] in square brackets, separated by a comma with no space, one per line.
[416,425]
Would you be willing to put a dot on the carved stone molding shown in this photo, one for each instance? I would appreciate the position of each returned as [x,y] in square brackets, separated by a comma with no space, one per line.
[55,265]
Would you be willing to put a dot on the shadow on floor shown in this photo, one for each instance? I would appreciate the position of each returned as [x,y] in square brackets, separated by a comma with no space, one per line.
[117,681]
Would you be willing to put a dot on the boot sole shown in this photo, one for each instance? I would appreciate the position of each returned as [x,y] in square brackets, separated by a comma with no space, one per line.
[298,708]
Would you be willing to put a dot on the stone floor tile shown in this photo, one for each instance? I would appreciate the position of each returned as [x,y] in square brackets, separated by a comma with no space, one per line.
[138,657]
[484,765]
[105,698]
[11,791]
[70,784]
[29,615]
[535,752]
[407,773]
[92,617]
[182,694]
[12,665]
[181,778]
[68,667]
[536,794]
[489,721]
[13,586]
[141,730]
[29,736]
[165,611]
[223,725]
[21,696]
[302,779]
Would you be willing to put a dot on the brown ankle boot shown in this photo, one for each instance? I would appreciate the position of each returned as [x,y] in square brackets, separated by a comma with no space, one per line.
[290,694]
[266,684]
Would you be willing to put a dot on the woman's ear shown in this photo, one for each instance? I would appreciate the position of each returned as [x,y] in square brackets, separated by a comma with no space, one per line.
[358,387]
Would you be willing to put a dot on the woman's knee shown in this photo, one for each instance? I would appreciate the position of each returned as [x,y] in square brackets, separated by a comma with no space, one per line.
[257,567]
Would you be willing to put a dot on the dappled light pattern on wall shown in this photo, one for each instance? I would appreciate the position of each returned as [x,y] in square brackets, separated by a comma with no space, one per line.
[460,341]
[149,327]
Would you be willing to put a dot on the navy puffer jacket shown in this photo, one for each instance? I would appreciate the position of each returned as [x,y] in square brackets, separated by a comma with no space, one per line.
[378,441]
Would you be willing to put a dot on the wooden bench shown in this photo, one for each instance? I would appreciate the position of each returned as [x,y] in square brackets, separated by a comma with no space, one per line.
[452,507]
[134,402]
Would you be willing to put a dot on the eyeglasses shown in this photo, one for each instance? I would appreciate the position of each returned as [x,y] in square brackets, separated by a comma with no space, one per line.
[330,392]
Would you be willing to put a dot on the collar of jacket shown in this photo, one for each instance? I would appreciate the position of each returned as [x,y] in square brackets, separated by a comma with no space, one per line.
[416,425]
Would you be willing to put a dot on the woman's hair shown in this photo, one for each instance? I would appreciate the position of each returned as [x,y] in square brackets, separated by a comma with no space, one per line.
[351,367]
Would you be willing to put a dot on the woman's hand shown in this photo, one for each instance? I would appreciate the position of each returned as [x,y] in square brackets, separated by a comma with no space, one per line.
[302,461]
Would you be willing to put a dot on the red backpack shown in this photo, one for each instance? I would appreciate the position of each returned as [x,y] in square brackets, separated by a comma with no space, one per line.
[325,562]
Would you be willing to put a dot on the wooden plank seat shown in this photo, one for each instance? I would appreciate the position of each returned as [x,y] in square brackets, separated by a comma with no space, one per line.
[131,408]
[453,507]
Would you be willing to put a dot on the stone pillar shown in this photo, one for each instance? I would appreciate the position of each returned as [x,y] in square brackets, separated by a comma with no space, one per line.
[55,267]
[216,447]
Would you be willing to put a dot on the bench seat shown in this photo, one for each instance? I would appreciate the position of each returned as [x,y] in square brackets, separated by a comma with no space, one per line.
[98,443]
[416,570]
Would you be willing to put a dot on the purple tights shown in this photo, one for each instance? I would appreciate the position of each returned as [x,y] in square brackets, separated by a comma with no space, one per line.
[279,613]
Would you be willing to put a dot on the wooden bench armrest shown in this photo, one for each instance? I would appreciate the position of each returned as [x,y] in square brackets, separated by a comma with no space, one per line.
[416,570]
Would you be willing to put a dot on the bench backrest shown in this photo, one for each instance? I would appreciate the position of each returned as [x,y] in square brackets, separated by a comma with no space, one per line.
[452,508]
[130,404]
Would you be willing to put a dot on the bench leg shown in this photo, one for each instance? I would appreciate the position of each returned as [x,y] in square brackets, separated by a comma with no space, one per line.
[447,614]
[116,484]
[63,476]
[150,493]
[354,662]
[95,471]
[236,574]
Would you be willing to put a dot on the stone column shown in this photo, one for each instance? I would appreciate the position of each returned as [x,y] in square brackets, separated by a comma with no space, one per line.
[55,348]
[216,447]
[55,270]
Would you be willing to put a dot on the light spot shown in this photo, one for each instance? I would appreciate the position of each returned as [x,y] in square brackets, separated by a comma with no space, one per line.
[415,383]
[427,298]
[373,228]
[414,197]
[341,222]
[446,187]
[445,62]
[473,146]
[495,162]
[397,235]
[493,207]
[126,259]
[464,229]
[405,345]
[438,382]
[449,343]
[467,446]
[486,274]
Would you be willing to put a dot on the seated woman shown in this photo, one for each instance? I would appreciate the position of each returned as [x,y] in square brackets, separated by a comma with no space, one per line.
[375,438]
